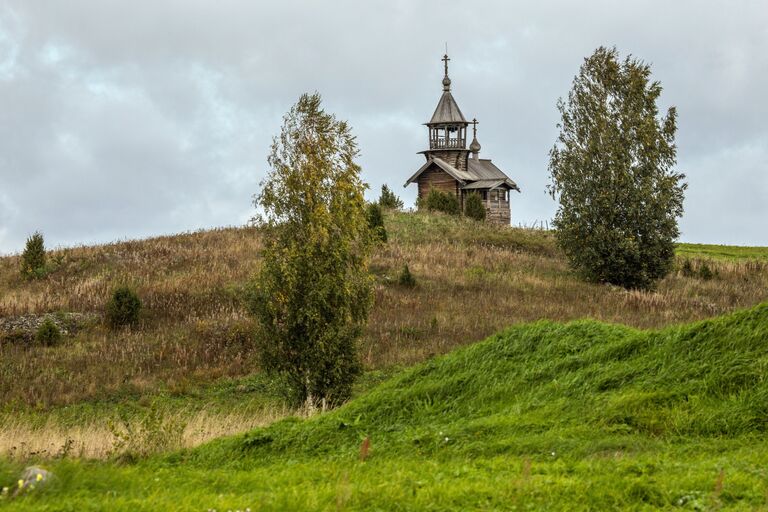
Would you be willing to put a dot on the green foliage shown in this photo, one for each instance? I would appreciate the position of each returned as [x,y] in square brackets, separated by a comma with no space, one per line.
[406,278]
[474,207]
[123,308]
[314,291]
[437,201]
[389,199]
[705,272]
[376,222]
[33,257]
[612,172]
[48,333]
[699,270]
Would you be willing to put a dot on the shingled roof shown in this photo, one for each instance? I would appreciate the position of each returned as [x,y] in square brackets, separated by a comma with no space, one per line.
[483,170]
[480,173]
[447,111]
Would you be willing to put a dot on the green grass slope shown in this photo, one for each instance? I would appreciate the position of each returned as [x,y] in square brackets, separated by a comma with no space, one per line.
[723,252]
[546,416]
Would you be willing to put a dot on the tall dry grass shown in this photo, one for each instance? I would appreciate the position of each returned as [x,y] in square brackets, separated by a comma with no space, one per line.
[96,439]
[472,281]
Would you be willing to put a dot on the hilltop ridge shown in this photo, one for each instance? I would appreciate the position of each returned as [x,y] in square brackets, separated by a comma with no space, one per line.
[193,349]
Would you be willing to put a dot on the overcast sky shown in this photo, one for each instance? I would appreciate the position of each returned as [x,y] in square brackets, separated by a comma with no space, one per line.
[134,118]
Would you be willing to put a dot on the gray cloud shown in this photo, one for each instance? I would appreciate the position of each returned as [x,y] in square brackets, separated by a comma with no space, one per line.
[125,119]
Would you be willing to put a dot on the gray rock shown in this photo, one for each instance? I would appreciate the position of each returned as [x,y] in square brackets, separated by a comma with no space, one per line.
[33,477]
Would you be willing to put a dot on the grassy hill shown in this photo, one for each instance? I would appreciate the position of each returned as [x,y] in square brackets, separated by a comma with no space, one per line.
[548,416]
[191,361]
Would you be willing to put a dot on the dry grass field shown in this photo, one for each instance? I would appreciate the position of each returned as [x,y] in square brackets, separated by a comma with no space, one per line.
[195,332]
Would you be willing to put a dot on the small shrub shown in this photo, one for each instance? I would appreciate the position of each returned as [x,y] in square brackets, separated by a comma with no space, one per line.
[376,222]
[146,434]
[705,272]
[437,201]
[123,308]
[702,270]
[389,200]
[406,278]
[48,334]
[474,207]
[33,257]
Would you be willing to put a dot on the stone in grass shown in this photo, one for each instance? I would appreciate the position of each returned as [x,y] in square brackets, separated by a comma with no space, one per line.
[32,477]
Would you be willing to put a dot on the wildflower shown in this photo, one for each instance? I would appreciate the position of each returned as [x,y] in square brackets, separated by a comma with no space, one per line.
[21,484]
[5,490]
[446,439]
[553,454]
[39,476]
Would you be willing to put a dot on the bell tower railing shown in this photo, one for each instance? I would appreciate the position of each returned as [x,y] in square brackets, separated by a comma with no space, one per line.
[447,143]
[450,137]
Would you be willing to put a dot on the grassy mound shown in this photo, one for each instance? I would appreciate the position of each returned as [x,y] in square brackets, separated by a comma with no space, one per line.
[544,416]
[548,387]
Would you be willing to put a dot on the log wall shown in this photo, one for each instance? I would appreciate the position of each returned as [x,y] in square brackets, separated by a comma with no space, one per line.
[438,179]
[498,212]
[457,159]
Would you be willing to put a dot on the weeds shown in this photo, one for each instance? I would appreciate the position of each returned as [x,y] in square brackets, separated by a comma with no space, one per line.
[152,433]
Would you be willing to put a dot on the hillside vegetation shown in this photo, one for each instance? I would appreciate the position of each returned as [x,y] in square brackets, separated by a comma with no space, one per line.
[550,416]
[192,356]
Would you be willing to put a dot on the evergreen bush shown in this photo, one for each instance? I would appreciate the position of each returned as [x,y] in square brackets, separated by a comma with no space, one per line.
[437,201]
[33,257]
[48,333]
[474,207]
[376,222]
[406,278]
[705,272]
[389,200]
[123,308]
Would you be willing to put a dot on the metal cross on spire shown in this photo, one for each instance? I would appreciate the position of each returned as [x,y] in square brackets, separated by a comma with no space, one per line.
[474,127]
[446,80]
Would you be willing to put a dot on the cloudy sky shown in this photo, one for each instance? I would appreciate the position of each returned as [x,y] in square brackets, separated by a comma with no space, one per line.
[127,119]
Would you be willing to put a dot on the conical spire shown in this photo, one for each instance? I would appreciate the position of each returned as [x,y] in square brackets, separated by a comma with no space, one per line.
[447,110]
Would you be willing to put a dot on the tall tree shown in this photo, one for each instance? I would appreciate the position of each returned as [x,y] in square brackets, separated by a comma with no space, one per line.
[612,170]
[313,291]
